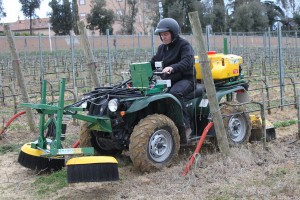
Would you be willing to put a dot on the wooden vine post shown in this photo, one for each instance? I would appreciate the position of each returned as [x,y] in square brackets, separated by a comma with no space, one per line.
[209,84]
[298,113]
[20,78]
[89,53]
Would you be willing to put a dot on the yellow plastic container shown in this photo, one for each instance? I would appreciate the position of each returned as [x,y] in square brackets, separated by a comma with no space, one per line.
[222,66]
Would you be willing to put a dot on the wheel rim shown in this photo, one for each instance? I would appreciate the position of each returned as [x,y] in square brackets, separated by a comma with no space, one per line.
[160,146]
[237,128]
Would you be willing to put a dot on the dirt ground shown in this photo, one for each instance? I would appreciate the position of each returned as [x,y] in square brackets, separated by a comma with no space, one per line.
[250,172]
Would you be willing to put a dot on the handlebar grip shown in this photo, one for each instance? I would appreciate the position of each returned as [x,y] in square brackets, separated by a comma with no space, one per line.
[158,73]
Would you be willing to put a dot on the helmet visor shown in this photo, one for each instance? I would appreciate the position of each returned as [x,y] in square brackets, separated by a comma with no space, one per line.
[160,30]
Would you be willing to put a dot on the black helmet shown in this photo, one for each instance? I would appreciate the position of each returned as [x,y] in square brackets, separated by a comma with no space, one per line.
[168,24]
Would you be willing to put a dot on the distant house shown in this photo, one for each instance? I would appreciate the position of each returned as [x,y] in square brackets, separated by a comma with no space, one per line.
[142,23]
[23,26]
[143,20]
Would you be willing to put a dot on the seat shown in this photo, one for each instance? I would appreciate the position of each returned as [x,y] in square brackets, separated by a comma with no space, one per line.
[198,92]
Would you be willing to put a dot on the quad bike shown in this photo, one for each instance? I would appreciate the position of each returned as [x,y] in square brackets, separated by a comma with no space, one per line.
[142,117]
[138,115]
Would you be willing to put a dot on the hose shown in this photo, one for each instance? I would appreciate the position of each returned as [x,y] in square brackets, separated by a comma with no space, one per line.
[198,147]
[11,120]
[76,144]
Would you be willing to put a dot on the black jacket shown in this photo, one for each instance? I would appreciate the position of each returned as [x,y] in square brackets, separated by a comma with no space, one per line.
[179,55]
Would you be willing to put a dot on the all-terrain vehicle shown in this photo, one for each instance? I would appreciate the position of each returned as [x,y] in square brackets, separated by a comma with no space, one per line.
[140,115]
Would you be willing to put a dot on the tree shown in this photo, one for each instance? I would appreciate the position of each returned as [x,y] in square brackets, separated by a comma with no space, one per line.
[283,2]
[156,17]
[233,4]
[100,18]
[150,15]
[218,24]
[61,17]
[259,15]
[243,20]
[28,8]
[297,19]
[293,5]
[274,12]
[2,13]
[179,10]
[75,16]
[176,12]
[288,4]
[250,17]
[128,20]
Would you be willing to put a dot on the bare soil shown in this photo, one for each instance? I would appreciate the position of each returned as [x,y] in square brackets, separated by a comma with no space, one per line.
[250,172]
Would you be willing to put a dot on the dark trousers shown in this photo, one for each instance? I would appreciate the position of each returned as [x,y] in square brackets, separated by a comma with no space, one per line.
[180,90]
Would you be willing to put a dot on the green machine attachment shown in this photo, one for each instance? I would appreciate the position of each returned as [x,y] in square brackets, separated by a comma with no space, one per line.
[48,154]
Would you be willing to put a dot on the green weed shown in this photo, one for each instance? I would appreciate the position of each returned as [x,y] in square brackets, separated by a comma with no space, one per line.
[17,127]
[70,140]
[285,123]
[9,148]
[221,198]
[280,172]
[50,183]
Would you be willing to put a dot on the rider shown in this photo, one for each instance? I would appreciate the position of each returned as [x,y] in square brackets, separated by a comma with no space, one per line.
[177,58]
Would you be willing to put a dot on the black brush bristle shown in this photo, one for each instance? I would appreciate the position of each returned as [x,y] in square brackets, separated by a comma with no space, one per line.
[40,163]
[98,172]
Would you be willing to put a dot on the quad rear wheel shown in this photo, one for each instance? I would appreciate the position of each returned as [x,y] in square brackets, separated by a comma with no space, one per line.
[154,143]
[236,123]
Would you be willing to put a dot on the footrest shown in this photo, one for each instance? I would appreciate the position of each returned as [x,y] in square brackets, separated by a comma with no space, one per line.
[70,151]
[42,108]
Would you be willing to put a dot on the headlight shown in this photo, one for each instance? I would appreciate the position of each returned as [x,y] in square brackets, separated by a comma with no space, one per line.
[113,105]
[84,104]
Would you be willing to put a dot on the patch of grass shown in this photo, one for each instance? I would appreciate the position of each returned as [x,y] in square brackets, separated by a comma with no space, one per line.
[50,183]
[16,127]
[277,175]
[280,172]
[9,148]
[221,198]
[285,123]
[69,140]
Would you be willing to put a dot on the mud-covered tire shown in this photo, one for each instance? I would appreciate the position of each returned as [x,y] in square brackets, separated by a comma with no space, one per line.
[89,140]
[237,124]
[101,151]
[154,143]
[85,135]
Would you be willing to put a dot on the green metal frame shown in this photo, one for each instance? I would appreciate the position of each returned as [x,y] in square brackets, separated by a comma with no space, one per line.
[54,147]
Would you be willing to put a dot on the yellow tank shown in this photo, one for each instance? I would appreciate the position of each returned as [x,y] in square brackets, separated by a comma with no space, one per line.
[222,66]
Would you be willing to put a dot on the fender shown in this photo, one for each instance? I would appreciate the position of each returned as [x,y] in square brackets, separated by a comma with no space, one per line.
[202,104]
[242,94]
[173,106]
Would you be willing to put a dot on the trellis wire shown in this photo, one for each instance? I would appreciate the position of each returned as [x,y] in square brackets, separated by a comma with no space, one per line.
[259,51]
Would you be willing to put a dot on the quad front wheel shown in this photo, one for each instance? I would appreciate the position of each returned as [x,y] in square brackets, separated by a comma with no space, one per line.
[154,143]
[85,135]
[88,139]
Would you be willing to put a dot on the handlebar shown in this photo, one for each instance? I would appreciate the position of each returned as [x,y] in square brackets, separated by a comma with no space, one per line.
[158,73]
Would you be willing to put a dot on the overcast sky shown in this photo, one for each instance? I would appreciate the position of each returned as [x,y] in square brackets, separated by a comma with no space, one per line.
[13,10]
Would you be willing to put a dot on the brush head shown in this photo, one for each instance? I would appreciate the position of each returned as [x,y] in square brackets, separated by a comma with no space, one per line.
[31,158]
[92,169]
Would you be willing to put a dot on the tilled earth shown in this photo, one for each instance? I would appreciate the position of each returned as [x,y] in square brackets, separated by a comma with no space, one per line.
[250,172]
